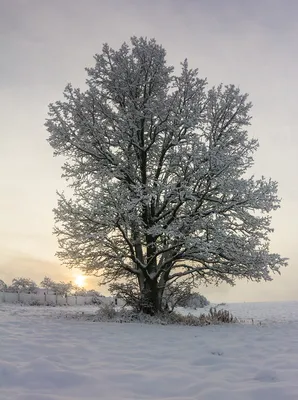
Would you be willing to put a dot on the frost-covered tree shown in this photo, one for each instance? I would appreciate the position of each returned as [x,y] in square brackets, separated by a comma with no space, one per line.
[94,293]
[3,286]
[79,291]
[195,300]
[96,296]
[47,283]
[23,285]
[159,169]
[62,288]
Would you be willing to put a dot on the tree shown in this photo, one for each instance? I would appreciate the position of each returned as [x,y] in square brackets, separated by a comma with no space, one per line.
[59,288]
[130,293]
[62,288]
[3,286]
[195,300]
[47,283]
[23,285]
[93,292]
[96,296]
[79,291]
[178,294]
[158,168]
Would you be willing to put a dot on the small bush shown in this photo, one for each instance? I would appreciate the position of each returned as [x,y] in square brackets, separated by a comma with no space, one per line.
[50,304]
[181,295]
[213,317]
[129,293]
[106,312]
[96,300]
[35,302]
[219,317]
[196,300]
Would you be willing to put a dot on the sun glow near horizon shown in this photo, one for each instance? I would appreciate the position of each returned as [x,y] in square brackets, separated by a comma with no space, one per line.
[80,280]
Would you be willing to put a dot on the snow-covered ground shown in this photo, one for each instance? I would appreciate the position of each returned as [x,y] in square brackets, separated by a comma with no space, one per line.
[45,356]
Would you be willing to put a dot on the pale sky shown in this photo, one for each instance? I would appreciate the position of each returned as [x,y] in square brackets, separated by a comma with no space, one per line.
[46,44]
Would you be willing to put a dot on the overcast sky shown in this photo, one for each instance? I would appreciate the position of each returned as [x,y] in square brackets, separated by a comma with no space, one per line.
[46,44]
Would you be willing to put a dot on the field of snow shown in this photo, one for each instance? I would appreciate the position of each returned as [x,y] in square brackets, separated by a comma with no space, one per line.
[46,356]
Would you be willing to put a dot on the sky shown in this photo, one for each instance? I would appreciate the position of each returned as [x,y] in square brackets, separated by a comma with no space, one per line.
[46,44]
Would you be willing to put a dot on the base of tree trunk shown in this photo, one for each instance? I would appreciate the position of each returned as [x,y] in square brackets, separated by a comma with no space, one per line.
[150,303]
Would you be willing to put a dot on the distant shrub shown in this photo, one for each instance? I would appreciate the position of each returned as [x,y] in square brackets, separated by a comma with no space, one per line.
[3,286]
[222,316]
[50,304]
[106,312]
[194,301]
[35,302]
[96,300]
[128,293]
[213,317]
[181,295]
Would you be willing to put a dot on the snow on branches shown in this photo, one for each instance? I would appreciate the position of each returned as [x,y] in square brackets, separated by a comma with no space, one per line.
[158,164]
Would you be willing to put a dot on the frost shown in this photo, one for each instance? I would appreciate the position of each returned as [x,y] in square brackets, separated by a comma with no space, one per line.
[159,168]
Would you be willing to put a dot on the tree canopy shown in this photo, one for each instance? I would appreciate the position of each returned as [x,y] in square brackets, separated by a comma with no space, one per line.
[23,285]
[159,167]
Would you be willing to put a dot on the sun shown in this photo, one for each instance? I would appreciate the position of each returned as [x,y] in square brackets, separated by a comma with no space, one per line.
[80,280]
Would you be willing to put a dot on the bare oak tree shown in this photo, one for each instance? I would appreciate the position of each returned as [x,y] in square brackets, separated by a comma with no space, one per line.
[158,165]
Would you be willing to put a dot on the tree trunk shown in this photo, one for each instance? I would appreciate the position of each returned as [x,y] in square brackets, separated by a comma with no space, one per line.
[150,298]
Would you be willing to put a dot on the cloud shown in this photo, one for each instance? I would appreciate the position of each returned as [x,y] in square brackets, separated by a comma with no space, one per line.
[18,264]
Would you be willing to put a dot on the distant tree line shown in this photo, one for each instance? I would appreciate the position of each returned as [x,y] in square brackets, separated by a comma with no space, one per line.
[27,285]
[176,296]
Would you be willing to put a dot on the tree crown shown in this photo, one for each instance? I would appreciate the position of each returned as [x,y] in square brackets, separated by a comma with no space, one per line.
[158,164]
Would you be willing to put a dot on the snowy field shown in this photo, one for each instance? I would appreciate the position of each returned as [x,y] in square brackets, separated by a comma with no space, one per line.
[46,356]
